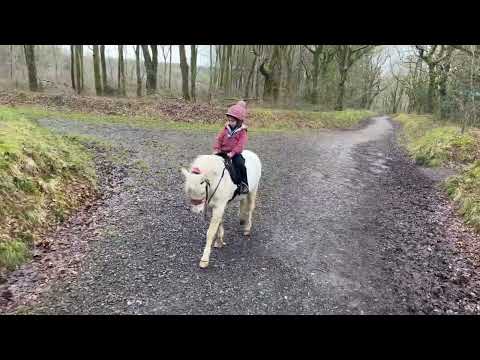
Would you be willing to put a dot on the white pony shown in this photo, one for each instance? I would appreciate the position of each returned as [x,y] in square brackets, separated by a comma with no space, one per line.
[209,184]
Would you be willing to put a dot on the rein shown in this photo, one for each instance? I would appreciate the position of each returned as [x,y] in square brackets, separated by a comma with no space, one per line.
[207,185]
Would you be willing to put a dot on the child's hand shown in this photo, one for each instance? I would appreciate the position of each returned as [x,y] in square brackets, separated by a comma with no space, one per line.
[230,154]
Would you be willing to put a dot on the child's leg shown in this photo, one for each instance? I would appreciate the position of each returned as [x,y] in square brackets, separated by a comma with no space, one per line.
[239,163]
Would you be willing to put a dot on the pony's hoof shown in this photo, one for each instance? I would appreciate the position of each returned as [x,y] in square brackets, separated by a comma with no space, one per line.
[218,245]
[246,233]
[203,264]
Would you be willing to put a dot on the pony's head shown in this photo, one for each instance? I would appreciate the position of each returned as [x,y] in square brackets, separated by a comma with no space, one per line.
[195,188]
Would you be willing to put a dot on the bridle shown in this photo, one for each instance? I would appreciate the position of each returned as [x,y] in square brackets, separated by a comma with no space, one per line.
[207,185]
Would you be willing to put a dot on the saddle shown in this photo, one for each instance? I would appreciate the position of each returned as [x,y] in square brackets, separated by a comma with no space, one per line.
[230,167]
[233,173]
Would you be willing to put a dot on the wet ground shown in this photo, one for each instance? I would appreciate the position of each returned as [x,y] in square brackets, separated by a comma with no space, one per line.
[344,224]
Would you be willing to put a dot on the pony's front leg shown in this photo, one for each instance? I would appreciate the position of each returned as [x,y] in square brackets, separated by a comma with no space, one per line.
[219,242]
[217,216]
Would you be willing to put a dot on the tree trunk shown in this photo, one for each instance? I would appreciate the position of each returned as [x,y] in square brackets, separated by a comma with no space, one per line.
[343,59]
[442,91]
[121,72]
[56,62]
[78,69]
[341,91]
[104,70]
[96,71]
[170,70]
[228,70]
[78,83]
[184,69]
[193,69]
[315,73]
[12,62]
[250,76]
[210,84]
[139,75]
[80,61]
[72,66]
[215,68]
[164,71]
[221,57]
[431,88]
[276,66]
[32,69]
[268,85]
[151,63]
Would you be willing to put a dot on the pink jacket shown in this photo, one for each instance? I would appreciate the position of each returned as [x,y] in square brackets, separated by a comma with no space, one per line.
[226,142]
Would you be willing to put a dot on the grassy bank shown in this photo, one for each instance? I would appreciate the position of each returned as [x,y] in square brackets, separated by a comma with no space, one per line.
[170,113]
[42,178]
[433,143]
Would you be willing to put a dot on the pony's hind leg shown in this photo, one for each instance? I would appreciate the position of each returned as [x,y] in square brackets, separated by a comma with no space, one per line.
[243,211]
[252,196]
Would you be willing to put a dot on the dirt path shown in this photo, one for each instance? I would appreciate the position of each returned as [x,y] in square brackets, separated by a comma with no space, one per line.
[344,224]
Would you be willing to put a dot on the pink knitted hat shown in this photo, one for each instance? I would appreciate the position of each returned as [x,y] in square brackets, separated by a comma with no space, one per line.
[238,111]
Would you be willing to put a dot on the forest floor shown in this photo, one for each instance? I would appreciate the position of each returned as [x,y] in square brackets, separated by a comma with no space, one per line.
[345,223]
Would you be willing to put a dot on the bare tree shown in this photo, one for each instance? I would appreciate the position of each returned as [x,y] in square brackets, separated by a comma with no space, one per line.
[256,54]
[272,75]
[139,77]
[12,62]
[346,56]
[165,55]
[31,67]
[288,53]
[56,62]
[210,83]
[78,65]
[432,58]
[193,70]
[316,51]
[170,70]
[184,69]
[106,87]
[72,66]
[151,64]
[121,72]
[96,71]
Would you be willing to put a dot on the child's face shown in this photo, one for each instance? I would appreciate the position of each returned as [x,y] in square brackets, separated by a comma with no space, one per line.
[232,121]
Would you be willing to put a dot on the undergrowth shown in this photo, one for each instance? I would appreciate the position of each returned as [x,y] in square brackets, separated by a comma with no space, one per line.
[43,177]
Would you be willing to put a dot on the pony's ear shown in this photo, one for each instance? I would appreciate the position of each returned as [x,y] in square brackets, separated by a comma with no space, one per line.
[185,172]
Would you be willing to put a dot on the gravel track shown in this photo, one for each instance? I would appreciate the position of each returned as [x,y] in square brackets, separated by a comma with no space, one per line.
[344,223]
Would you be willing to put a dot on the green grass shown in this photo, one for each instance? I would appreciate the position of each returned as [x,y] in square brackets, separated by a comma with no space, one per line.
[13,253]
[464,189]
[289,119]
[260,119]
[43,177]
[432,143]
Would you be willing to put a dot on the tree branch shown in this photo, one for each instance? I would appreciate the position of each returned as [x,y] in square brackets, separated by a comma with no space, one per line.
[311,50]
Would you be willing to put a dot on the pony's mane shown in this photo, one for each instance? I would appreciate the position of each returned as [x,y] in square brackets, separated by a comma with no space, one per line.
[208,163]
